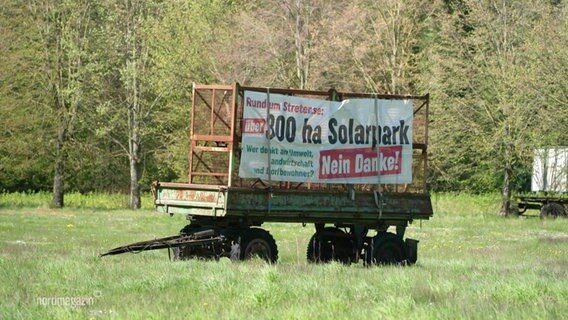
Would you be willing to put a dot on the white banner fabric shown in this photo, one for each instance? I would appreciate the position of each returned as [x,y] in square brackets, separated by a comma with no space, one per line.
[353,141]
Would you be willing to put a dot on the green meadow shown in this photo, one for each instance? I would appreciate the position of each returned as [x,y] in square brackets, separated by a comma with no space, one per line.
[472,264]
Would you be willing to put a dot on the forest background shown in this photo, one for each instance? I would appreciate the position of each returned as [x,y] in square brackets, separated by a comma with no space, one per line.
[95,95]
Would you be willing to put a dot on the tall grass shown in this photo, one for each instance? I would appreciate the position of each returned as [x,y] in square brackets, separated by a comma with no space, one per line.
[472,264]
[72,200]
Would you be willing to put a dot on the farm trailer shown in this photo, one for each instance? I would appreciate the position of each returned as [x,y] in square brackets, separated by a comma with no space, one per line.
[226,207]
[549,184]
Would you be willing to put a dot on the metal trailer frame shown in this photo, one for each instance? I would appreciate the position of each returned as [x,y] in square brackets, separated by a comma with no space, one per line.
[224,206]
[549,206]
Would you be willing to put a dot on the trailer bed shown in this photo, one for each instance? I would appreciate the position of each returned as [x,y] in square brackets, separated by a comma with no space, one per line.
[292,205]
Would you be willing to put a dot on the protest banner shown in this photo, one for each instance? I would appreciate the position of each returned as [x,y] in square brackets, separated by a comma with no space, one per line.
[297,139]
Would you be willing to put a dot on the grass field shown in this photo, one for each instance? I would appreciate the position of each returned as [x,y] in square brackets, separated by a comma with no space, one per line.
[472,264]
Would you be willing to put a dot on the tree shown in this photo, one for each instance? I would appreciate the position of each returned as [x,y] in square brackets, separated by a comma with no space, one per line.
[181,42]
[63,31]
[127,105]
[485,118]
[270,43]
[24,156]
[386,43]
[549,88]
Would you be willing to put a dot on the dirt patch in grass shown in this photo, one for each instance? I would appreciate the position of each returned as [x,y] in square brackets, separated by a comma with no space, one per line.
[17,247]
[487,252]
[554,239]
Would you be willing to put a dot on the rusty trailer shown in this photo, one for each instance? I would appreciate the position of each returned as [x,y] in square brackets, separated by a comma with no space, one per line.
[227,206]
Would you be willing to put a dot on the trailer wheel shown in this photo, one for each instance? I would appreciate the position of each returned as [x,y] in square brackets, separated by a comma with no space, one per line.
[185,253]
[331,245]
[256,242]
[386,249]
[552,210]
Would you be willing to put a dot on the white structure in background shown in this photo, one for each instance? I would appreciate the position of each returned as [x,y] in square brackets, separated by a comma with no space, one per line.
[550,170]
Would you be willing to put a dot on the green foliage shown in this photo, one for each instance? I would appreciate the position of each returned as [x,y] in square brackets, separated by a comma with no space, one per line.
[24,155]
[92,77]
[487,113]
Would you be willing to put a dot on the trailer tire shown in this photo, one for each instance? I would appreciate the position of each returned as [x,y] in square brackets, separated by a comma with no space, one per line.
[256,242]
[328,247]
[552,210]
[386,249]
[185,253]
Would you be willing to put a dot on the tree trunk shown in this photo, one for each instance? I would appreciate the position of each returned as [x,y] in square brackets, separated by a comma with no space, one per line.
[301,41]
[506,191]
[133,94]
[58,184]
[134,157]
[59,177]
[135,202]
